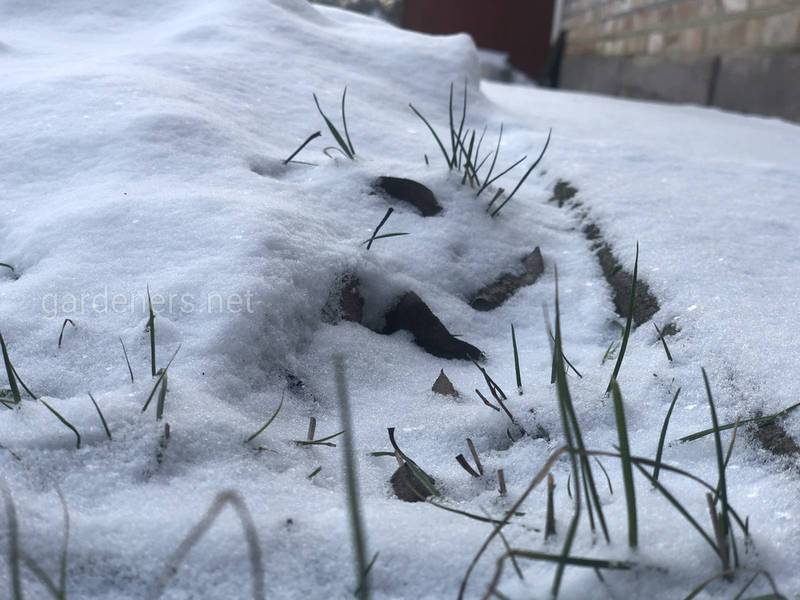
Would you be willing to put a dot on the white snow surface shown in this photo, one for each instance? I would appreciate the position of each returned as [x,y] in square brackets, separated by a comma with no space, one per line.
[132,135]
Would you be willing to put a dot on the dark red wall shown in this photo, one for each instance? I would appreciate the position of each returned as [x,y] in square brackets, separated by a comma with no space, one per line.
[519,27]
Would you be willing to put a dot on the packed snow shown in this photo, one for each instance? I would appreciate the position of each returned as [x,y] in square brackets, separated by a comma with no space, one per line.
[142,145]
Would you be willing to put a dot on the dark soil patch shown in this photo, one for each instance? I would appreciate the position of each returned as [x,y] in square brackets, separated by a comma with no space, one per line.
[496,293]
[345,302]
[410,192]
[621,281]
[773,437]
[615,275]
[413,315]
[563,192]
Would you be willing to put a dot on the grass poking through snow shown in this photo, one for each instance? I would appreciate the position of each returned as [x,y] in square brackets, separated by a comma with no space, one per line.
[628,323]
[309,139]
[63,325]
[222,500]
[627,471]
[357,530]
[346,147]
[263,428]
[100,414]
[662,438]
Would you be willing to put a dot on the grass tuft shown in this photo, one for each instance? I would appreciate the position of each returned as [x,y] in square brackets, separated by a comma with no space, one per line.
[525,176]
[161,375]
[344,146]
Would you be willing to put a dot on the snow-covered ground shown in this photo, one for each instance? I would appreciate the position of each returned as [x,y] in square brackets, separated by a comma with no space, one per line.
[131,134]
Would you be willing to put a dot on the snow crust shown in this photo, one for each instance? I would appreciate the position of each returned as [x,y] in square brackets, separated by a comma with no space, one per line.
[142,144]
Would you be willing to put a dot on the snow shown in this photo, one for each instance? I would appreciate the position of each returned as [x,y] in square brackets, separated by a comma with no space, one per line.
[130,136]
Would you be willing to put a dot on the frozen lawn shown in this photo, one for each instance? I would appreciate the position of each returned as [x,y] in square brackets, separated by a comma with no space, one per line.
[142,144]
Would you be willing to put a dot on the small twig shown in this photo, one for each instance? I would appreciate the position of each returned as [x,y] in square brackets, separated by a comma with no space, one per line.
[501,481]
[550,519]
[475,456]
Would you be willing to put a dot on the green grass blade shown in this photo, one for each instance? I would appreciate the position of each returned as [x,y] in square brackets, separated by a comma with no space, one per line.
[489,182]
[468,160]
[161,376]
[516,360]
[564,400]
[724,520]
[457,156]
[662,438]
[488,179]
[320,442]
[151,327]
[758,420]
[524,177]
[127,362]
[451,162]
[100,414]
[222,500]
[385,218]
[384,236]
[575,561]
[357,530]
[627,471]
[268,423]
[63,325]
[590,488]
[13,543]
[22,383]
[64,421]
[334,132]
[435,136]
[628,323]
[663,342]
[162,397]
[10,373]
[309,139]
[344,124]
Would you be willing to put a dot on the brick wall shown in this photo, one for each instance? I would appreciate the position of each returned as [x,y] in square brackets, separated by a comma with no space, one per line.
[707,51]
